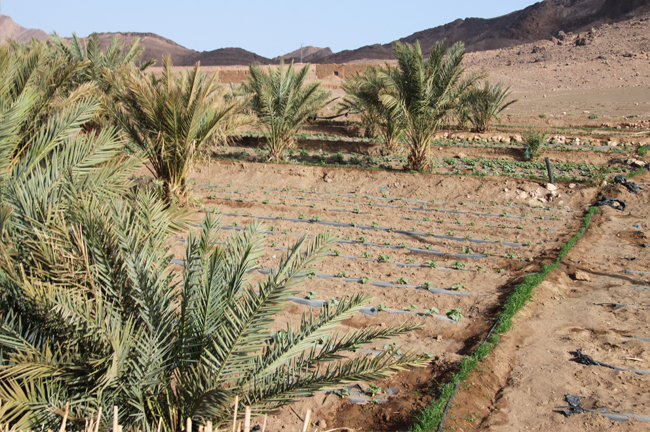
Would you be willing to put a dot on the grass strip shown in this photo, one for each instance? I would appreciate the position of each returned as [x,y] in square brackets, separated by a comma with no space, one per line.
[636,173]
[432,416]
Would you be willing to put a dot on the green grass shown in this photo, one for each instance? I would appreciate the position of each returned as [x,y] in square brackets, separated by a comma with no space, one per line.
[429,418]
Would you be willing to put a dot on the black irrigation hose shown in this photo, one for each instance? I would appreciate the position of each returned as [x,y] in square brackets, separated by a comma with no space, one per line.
[444,414]
[381,284]
[489,335]
[369,197]
[371,228]
[532,283]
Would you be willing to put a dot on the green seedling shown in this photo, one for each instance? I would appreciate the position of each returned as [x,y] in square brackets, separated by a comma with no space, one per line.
[386,242]
[310,295]
[366,255]
[336,252]
[458,265]
[431,311]
[381,307]
[432,264]
[365,280]
[455,314]
[315,218]
[426,285]
[342,274]
[402,281]
[361,239]
[509,255]
[411,307]
[457,286]
[342,393]
[468,250]
[403,245]
[301,216]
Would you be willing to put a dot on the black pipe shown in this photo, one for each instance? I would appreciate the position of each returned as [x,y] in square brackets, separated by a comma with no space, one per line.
[550,171]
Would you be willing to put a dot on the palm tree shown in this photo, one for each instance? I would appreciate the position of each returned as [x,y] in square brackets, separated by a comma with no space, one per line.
[283,102]
[480,106]
[99,62]
[363,97]
[173,120]
[423,92]
[92,314]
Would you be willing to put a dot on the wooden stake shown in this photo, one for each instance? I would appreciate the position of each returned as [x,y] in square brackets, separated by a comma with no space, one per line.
[208,427]
[65,418]
[188,427]
[159,424]
[239,427]
[115,425]
[99,418]
[119,428]
[247,419]
[264,424]
[234,417]
[305,425]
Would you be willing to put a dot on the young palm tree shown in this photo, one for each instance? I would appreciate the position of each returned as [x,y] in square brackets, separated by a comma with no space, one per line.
[92,315]
[363,97]
[423,92]
[480,106]
[114,57]
[173,119]
[283,103]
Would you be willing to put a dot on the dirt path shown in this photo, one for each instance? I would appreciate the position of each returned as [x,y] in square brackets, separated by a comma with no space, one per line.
[529,374]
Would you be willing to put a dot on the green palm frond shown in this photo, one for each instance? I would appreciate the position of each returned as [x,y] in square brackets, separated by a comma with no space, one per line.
[283,102]
[422,92]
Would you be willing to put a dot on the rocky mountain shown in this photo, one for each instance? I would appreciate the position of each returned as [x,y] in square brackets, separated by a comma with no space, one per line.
[541,20]
[310,54]
[225,57]
[10,30]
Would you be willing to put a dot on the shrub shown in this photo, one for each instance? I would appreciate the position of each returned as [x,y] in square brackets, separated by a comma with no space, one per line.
[534,141]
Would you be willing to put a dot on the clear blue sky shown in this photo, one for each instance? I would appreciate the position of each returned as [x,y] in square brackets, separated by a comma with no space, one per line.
[266,27]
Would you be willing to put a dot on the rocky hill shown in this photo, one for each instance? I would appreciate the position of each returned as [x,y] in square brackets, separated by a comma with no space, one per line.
[542,20]
[10,30]
[225,57]
[310,54]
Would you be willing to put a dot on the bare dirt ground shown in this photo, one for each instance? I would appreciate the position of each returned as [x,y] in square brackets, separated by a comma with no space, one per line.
[468,249]
[519,386]
[606,316]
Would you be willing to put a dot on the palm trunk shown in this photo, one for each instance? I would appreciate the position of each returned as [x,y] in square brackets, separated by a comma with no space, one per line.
[418,158]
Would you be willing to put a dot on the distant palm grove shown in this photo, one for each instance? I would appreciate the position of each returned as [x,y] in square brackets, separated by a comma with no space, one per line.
[92,314]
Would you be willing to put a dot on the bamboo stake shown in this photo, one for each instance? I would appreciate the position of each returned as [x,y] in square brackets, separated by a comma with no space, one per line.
[65,418]
[159,424]
[99,418]
[115,425]
[208,427]
[119,428]
[305,425]
[247,419]
[188,427]
[264,424]
[234,417]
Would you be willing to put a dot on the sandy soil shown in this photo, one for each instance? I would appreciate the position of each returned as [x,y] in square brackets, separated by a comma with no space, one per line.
[355,197]
[528,376]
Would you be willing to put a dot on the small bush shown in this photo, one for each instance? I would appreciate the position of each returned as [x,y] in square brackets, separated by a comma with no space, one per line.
[643,150]
[594,116]
[534,141]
